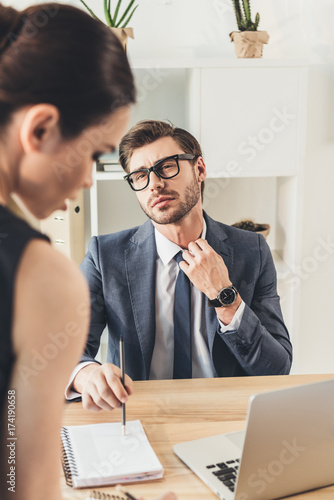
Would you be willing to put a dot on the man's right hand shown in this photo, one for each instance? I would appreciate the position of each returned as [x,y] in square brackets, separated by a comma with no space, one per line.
[101,387]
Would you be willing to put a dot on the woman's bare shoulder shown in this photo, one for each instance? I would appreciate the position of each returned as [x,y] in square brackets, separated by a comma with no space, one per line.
[50,294]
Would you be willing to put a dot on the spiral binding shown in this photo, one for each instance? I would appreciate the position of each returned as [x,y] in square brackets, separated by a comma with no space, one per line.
[106,496]
[68,458]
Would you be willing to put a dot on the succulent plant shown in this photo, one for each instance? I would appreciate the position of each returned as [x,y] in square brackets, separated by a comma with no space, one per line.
[244,20]
[249,225]
[112,19]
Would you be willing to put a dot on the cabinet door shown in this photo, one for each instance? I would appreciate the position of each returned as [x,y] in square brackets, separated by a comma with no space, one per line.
[66,229]
[250,120]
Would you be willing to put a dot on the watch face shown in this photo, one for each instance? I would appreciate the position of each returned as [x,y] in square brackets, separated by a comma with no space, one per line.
[227,296]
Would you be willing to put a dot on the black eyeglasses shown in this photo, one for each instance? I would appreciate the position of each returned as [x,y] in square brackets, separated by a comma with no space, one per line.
[167,168]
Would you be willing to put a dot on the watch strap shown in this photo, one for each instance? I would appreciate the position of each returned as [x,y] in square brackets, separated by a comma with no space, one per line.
[215,303]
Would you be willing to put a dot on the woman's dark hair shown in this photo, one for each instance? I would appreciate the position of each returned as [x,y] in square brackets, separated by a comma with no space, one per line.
[57,54]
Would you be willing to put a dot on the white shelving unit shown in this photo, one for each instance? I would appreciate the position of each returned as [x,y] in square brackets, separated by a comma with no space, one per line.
[250,119]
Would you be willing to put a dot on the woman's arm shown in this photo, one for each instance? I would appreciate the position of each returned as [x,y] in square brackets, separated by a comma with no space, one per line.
[51,316]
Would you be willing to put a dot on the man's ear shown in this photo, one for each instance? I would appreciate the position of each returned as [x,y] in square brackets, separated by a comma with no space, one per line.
[201,169]
[39,127]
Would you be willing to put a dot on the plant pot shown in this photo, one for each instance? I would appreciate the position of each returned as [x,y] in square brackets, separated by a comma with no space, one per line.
[123,34]
[249,43]
[263,229]
[254,227]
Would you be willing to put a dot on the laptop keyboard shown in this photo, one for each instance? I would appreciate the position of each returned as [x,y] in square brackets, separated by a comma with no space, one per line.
[226,472]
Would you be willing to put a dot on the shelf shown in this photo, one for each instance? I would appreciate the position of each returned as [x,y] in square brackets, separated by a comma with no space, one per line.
[115,176]
[250,174]
[215,63]
[109,176]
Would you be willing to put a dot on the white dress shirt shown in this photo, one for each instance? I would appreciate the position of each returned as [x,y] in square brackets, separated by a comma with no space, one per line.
[163,353]
[167,270]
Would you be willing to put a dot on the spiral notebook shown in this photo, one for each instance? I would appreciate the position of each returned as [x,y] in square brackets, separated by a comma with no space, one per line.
[105,496]
[97,495]
[98,455]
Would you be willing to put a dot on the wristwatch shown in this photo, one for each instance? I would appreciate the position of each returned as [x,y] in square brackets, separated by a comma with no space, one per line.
[226,297]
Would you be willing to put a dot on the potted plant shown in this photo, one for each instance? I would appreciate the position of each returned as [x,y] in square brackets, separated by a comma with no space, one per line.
[249,225]
[248,41]
[117,24]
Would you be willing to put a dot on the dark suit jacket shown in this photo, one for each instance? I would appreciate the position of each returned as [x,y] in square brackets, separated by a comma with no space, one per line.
[120,269]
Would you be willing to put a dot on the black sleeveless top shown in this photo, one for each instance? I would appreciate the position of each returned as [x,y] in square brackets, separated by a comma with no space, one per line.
[15,234]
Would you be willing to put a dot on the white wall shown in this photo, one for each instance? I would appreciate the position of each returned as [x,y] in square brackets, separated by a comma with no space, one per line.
[298,29]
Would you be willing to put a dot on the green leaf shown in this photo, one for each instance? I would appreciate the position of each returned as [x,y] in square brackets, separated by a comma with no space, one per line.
[116,11]
[257,20]
[129,18]
[125,14]
[247,10]
[243,25]
[107,13]
[238,13]
[90,11]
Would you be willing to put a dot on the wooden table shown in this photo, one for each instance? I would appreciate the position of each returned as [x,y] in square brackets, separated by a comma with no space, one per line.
[172,411]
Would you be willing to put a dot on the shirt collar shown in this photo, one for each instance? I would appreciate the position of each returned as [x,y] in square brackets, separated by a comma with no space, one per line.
[166,249]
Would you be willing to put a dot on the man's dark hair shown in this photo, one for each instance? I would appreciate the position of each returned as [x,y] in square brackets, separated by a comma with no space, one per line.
[148,131]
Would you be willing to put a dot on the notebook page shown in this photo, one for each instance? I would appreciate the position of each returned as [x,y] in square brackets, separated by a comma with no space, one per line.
[104,456]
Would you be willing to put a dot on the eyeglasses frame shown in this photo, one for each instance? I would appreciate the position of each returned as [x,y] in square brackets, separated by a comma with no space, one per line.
[177,157]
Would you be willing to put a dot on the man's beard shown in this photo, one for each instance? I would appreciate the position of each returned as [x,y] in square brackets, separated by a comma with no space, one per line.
[165,215]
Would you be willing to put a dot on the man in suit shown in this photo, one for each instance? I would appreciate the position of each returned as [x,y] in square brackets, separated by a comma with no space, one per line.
[215,314]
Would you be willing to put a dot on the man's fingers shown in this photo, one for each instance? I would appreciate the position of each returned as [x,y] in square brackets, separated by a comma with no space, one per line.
[88,403]
[128,385]
[102,395]
[197,250]
[107,396]
[104,389]
[194,248]
[198,246]
[113,381]
[202,244]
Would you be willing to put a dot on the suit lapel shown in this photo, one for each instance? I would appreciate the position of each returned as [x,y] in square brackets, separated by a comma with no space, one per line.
[140,265]
[218,240]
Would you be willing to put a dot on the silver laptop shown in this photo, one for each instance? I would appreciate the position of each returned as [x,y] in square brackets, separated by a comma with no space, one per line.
[287,447]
